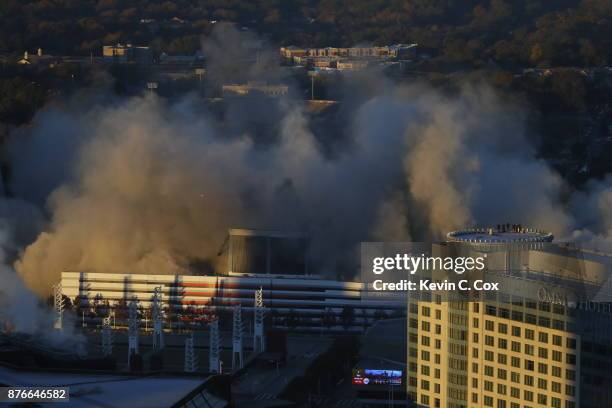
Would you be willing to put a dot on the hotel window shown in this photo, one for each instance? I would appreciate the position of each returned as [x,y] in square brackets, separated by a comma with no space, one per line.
[475,323]
[502,359]
[437,403]
[516,331]
[437,373]
[474,397]
[438,329]
[425,326]
[544,306]
[530,304]
[425,399]
[424,341]
[529,349]
[475,352]
[555,402]
[517,316]
[541,399]
[438,299]
[557,340]
[488,370]
[515,377]
[438,314]
[501,403]
[530,318]
[414,308]
[502,328]
[475,367]
[501,374]
[437,388]
[558,324]
[542,368]
[570,375]
[488,401]
[489,341]
[476,307]
[543,337]
[529,334]
[544,321]
[528,395]
[529,380]
[505,313]
[501,389]
[557,356]
[556,387]
[425,385]
[571,343]
[515,362]
[556,371]
[570,404]
[515,405]
[542,352]
[474,382]
[475,337]
[542,384]
[425,355]
[515,392]
[516,346]
[425,370]
[502,344]
[491,310]
[425,311]
[437,359]
[489,325]
[488,386]
[438,344]
[529,365]
[570,358]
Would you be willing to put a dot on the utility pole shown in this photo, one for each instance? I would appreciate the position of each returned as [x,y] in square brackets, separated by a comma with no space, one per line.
[58,302]
[214,363]
[107,337]
[259,342]
[158,320]
[191,359]
[133,329]
[237,357]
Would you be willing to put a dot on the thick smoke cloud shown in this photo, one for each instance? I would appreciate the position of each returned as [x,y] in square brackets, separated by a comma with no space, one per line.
[151,186]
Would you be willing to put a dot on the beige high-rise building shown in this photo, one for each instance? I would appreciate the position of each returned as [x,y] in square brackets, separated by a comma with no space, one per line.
[539,343]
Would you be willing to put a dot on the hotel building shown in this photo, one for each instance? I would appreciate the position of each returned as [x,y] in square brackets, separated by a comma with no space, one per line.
[543,340]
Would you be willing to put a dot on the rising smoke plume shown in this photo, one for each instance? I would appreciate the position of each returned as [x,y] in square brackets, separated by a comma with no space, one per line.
[150,186]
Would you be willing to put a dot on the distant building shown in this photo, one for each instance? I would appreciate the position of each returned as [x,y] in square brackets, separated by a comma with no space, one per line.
[347,58]
[254,88]
[39,59]
[127,53]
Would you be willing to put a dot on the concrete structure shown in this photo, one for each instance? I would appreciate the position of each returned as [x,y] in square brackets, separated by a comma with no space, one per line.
[536,343]
[198,298]
[266,252]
